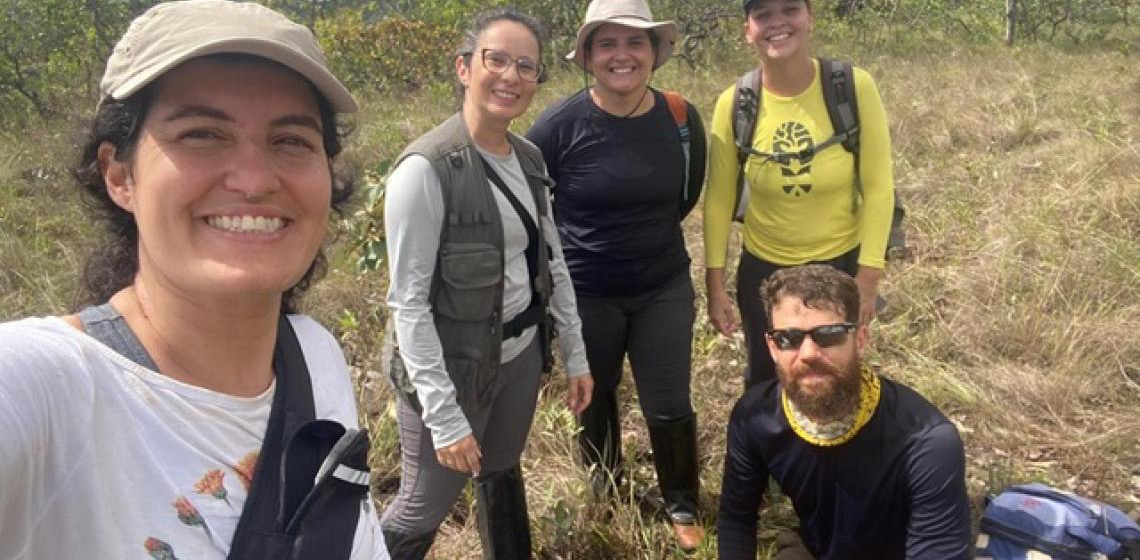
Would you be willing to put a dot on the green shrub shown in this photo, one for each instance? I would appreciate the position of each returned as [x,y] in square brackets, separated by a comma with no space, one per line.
[391,54]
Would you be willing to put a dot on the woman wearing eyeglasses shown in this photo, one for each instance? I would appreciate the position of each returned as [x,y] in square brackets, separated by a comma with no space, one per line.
[476,271]
[624,181]
[804,202]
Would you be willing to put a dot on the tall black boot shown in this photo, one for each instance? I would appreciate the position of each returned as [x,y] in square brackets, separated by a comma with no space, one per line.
[675,456]
[504,528]
[600,443]
[407,547]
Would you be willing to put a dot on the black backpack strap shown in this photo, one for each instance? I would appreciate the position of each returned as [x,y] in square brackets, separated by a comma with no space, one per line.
[837,80]
[745,113]
[534,312]
[843,110]
[311,475]
[838,84]
[319,512]
[292,408]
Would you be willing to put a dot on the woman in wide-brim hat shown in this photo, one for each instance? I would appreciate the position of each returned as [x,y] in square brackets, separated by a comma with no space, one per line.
[625,178]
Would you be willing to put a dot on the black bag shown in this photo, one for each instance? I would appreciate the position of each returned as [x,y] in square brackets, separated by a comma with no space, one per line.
[311,475]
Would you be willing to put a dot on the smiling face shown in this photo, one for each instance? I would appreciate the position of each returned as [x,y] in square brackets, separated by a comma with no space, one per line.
[822,382]
[779,29]
[620,58]
[229,184]
[501,97]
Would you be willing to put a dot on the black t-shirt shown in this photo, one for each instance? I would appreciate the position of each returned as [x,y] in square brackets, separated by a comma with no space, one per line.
[618,199]
[896,491]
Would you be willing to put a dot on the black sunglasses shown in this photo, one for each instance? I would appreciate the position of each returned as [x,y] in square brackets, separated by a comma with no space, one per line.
[825,336]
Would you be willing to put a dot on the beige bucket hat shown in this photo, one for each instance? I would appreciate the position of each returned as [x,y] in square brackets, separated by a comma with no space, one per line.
[173,32]
[630,13]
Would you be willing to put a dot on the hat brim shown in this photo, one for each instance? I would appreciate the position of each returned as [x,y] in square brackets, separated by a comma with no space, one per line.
[331,88]
[666,31]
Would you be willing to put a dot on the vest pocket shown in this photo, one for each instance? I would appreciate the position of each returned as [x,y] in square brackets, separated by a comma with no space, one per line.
[472,390]
[471,273]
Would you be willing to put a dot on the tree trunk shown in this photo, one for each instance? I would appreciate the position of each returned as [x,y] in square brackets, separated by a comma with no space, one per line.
[845,8]
[1010,21]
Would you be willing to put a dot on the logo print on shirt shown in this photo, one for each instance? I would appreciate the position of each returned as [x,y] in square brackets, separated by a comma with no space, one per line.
[794,138]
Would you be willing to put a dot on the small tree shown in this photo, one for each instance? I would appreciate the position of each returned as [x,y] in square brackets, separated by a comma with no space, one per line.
[1010,21]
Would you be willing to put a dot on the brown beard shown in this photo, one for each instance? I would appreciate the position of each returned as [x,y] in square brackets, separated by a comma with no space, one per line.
[832,405]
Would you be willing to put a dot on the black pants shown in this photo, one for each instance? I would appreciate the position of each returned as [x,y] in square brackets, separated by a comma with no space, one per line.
[656,331]
[752,273]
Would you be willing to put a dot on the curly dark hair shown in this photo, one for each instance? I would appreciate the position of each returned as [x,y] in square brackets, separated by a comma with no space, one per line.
[113,265]
[819,286]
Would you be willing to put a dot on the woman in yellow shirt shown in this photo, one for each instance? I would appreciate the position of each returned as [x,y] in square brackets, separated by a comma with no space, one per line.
[801,209]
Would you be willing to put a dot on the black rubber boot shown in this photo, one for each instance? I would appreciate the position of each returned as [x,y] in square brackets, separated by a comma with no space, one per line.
[675,456]
[599,442]
[504,528]
[407,547]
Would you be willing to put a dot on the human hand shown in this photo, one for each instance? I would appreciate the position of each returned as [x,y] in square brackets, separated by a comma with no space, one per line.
[462,456]
[867,279]
[721,312]
[720,305]
[579,391]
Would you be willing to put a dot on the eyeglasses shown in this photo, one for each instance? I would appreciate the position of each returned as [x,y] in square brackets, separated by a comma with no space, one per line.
[825,336]
[497,62]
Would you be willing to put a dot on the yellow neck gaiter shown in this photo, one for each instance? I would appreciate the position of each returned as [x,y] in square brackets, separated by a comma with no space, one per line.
[840,431]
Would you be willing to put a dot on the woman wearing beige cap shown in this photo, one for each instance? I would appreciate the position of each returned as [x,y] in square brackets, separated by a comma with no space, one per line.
[628,162]
[190,413]
[476,270]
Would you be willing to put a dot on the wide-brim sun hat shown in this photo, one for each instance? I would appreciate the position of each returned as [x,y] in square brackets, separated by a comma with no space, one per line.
[628,13]
[174,32]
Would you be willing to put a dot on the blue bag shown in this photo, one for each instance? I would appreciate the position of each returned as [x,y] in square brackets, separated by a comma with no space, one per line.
[1036,522]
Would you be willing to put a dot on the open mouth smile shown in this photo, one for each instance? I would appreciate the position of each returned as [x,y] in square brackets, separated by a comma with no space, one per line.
[505,95]
[247,224]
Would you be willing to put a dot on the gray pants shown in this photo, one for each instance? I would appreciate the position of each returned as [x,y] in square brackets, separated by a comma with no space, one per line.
[428,490]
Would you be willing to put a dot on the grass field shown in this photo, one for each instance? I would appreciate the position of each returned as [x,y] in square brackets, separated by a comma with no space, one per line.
[1017,313]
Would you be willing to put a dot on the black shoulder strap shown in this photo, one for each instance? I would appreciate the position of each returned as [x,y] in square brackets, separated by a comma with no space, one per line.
[535,311]
[527,221]
[746,111]
[838,84]
[292,408]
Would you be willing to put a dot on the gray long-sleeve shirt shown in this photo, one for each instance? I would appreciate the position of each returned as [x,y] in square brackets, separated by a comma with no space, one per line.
[413,219]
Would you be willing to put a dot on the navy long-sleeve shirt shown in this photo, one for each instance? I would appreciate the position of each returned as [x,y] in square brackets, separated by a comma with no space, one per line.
[618,199]
[895,491]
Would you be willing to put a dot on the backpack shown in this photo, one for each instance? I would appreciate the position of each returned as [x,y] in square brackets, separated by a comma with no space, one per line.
[1037,522]
[680,111]
[843,110]
[311,475]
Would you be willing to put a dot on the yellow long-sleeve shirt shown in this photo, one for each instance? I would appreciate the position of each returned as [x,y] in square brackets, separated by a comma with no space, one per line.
[806,210]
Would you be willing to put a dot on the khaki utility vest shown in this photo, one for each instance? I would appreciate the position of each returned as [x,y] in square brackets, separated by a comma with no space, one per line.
[467,287]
